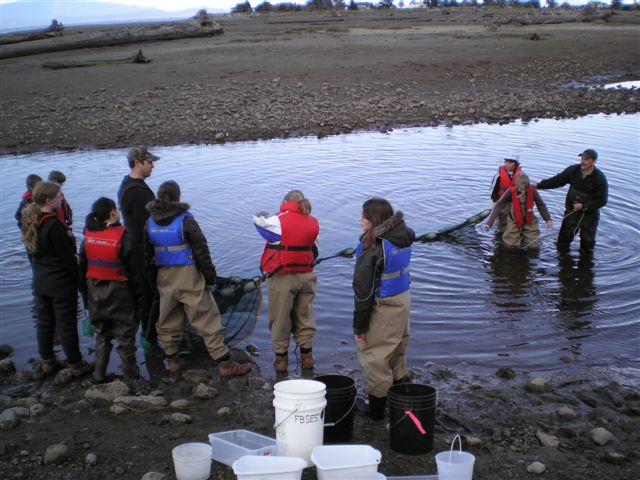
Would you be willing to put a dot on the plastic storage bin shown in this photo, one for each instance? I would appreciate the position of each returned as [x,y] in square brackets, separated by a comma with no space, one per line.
[227,447]
[415,477]
[251,467]
[346,462]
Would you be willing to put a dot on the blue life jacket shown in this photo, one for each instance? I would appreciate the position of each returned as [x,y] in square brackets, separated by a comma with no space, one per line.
[168,243]
[395,277]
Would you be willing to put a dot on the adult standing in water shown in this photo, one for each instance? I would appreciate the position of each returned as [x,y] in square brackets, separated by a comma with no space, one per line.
[288,259]
[506,178]
[185,276]
[55,279]
[382,300]
[588,193]
[133,196]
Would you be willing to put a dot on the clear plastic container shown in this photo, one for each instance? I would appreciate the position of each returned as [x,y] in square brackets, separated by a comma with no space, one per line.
[227,447]
[345,462]
[251,467]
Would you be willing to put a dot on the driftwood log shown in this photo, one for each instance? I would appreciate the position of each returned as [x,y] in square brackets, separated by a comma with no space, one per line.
[137,58]
[53,30]
[113,36]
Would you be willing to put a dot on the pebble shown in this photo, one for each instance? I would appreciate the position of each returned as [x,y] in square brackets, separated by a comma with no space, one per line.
[8,419]
[472,441]
[538,385]
[119,470]
[179,419]
[118,409]
[142,402]
[7,366]
[196,376]
[63,376]
[107,391]
[536,467]
[547,440]
[567,413]
[615,458]
[601,435]
[56,454]
[204,392]
[22,412]
[223,412]
[91,459]
[5,350]
[154,476]
[180,404]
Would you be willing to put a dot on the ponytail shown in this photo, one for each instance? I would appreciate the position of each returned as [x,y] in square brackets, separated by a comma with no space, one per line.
[100,213]
[29,227]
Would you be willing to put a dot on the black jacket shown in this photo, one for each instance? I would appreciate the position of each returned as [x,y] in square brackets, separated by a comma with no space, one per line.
[133,271]
[369,266]
[133,196]
[55,264]
[592,191]
[164,214]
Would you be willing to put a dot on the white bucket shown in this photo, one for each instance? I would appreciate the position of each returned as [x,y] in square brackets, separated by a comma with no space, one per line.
[192,461]
[299,406]
[454,465]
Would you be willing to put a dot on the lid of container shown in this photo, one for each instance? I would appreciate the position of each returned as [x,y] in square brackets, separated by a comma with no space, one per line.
[267,465]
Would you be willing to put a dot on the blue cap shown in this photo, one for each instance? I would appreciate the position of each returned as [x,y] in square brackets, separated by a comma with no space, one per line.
[590,152]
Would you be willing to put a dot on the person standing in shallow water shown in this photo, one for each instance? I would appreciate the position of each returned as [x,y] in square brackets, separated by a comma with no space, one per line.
[133,196]
[288,259]
[506,178]
[382,301]
[522,224]
[55,279]
[186,275]
[112,286]
[588,193]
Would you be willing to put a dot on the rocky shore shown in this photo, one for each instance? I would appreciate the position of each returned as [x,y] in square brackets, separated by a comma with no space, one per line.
[293,75]
[518,425]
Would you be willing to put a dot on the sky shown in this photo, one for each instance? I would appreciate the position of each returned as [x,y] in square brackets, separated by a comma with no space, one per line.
[168,5]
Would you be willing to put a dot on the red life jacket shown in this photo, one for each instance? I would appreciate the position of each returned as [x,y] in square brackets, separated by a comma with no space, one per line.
[294,253]
[517,208]
[28,196]
[48,215]
[102,248]
[505,182]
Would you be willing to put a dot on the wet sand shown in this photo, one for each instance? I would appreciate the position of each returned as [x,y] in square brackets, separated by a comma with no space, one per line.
[300,74]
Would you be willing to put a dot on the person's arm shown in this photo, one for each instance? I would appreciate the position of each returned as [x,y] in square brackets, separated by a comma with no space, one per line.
[495,191]
[268,226]
[542,208]
[196,239]
[63,247]
[600,194]
[495,211]
[18,215]
[82,269]
[364,283]
[129,256]
[137,198]
[558,181]
[68,213]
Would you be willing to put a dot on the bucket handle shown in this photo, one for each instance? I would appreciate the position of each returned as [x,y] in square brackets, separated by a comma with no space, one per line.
[416,421]
[457,437]
[344,416]
[275,426]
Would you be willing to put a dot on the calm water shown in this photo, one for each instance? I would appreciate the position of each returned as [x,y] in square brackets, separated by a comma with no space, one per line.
[470,302]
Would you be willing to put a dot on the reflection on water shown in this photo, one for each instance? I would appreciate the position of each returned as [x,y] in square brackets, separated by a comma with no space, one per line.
[471,301]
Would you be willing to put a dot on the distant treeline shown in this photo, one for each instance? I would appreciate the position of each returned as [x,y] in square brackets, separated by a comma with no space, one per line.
[333,5]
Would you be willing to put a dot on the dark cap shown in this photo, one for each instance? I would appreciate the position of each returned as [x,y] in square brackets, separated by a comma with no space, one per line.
[590,152]
[141,154]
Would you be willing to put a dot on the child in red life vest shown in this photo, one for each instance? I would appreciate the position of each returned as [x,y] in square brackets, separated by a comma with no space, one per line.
[522,226]
[112,287]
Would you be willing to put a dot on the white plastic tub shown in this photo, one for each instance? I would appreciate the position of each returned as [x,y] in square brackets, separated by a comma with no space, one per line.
[251,467]
[192,461]
[346,462]
[227,447]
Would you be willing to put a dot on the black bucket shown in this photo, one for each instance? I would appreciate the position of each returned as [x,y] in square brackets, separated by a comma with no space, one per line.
[338,416]
[412,412]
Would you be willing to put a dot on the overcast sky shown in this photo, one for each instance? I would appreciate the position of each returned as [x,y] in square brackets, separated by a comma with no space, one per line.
[168,5]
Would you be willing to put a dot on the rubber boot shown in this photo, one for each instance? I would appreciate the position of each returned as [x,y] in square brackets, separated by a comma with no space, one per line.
[174,364]
[229,368]
[103,352]
[376,407]
[307,360]
[129,367]
[281,363]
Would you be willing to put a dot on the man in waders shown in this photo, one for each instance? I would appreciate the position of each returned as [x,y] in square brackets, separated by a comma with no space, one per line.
[133,196]
[588,193]
[505,179]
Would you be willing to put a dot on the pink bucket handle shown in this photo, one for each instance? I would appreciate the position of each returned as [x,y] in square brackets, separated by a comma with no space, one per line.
[416,421]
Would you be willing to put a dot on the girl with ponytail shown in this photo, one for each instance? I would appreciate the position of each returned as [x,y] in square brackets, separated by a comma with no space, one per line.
[112,286]
[55,278]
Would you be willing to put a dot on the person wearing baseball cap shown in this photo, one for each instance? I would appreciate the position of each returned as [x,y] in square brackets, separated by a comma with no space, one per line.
[133,196]
[505,179]
[588,193]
